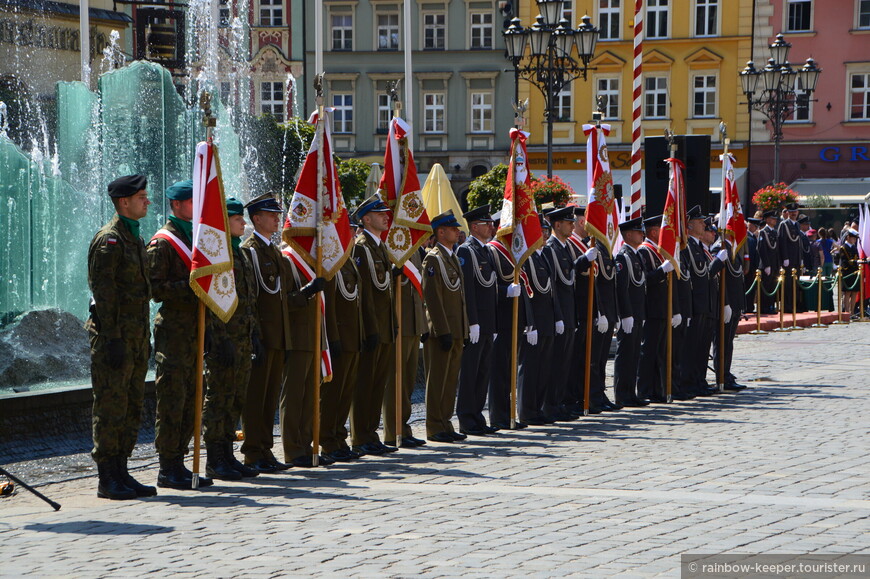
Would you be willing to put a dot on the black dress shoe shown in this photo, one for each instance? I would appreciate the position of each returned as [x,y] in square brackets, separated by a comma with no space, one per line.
[519,425]
[341,455]
[374,448]
[708,391]
[735,387]
[262,466]
[358,450]
[277,463]
[537,421]
[682,396]
[457,436]
[415,441]
[596,409]
[441,437]
[387,448]
[491,429]
[405,443]
[657,400]
[475,431]
[637,403]
[303,461]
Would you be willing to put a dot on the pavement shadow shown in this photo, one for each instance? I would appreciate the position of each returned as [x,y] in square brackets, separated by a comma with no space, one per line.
[98,528]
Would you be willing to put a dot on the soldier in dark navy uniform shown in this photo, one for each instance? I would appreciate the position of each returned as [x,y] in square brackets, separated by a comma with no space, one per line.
[790,252]
[768,261]
[631,293]
[733,281]
[583,268]
[750,261]
[680,363]
[605,326]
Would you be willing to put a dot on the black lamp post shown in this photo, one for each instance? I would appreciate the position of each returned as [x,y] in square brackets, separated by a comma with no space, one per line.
[772,90]
[550,64]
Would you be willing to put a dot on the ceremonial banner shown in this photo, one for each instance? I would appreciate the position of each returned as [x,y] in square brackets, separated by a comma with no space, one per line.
[673,234]
[520,228]
[300,228]
[730,212]
[400,190]
[602,214]
[211,260]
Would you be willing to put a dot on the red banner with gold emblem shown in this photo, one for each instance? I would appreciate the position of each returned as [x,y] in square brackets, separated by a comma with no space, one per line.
[602,215]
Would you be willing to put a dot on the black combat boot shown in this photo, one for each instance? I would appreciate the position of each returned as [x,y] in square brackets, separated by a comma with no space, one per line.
[247,472]
[124,475]
[217,465]
[171,476]
[204,481]
[110,485]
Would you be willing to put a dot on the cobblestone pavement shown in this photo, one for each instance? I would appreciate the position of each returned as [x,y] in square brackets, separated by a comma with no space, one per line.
[781,468]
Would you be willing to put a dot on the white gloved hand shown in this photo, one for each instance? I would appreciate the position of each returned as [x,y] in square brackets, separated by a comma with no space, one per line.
[513,290]
[601,324]
[627,324]
[676,320]
[785,263]
[532,337]
[474,333]
[560,328]
[722,255]
[727,313]
[591,253]
[688,322]
[767,271]
[494,336]
[667,266]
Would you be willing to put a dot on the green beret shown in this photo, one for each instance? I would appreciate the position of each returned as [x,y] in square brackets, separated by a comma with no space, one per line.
[234,206]
[181,191]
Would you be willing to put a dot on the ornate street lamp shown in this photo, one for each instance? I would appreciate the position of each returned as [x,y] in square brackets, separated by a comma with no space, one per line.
[773,91]
[550,64]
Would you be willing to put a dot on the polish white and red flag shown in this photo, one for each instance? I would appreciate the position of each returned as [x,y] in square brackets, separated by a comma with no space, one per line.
[520,228]
[602,213]
[673,235]
[211,260]
[730,212]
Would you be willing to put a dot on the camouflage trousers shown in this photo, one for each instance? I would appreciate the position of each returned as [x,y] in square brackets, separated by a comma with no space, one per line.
[118,393]
[175,346]
[226,387]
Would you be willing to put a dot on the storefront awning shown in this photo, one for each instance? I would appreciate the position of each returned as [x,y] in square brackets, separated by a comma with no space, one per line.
[840,191]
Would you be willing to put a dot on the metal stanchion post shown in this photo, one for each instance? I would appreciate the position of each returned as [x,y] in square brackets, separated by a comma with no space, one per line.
[758,331]
[795,274]
[861,296]
[781,301]
[840,301]
[819,323]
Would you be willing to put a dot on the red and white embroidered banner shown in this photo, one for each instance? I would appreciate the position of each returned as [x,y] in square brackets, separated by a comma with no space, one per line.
[211,259]
[673,233]
[520,228]
[602,214]
[414,276]
[730,212]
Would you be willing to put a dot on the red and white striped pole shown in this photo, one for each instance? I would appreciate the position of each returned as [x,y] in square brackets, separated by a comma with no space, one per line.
[636,200]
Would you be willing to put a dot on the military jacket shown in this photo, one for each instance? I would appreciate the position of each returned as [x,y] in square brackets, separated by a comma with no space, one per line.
[751,252]
[768,250]
[413,313]
[504,270]
[481,291]
[582,268]
[544,302]
[302,310]
[170,274]
[732,272]
[272,275]
[444,293]
[699,270]
[344,308]
[630,285]
[243,322]
[560,258]
[789,235]
[657,284]
[605,286]
[118,277]
[376,281]
[684,284]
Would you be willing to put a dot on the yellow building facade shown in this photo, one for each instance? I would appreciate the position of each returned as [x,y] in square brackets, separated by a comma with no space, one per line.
[692,54]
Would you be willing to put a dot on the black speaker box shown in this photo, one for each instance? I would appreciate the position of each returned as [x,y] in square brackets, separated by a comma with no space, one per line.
[694,151]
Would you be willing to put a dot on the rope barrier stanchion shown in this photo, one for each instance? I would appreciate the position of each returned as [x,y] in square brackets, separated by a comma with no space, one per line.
[757,331]
[839,320]
[819,323]
[861,317]
[795,272]
[780,286]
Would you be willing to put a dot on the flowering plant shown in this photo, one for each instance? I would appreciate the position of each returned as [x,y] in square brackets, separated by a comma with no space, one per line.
[551,190]
[774,197]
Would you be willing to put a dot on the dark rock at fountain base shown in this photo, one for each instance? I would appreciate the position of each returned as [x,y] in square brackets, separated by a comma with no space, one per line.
[43,345]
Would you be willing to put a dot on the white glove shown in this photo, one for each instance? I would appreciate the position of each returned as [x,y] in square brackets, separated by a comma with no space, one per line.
[667,266]
[532,337]
[727,313]
[513,290]
[767,271]
[676,319]
[785,263]
[474,333]
[688,322]
[560,328]
[494,336]
[591,253]
[627,324]
[722,255]
[601,324]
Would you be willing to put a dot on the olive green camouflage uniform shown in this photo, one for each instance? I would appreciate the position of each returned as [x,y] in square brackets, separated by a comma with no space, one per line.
[174,345]
[119,283]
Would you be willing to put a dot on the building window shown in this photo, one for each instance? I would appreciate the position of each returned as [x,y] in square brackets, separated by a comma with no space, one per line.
[481,30]
[706,17]
[864,14]
[342,104]
[802,105]
[385,113]
[481,112]
[655,97]
[225,92]
[859,98]
[562,104]
[434,30]
[656,25]
[223,14]
[568,12]
[388,32]
[608,19]
[271,12]
[433,112]
[799,16]
[704,96]
[609,89]
[272,99]
[342,31]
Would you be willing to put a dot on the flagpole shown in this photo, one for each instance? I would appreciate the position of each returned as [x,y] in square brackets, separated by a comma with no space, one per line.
[514,361]
[588,370]
[318,272]
[722,207]
[397,394]
[669,350]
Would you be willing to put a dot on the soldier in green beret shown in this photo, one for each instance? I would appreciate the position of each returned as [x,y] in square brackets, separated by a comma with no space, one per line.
[118,327]
[169,256]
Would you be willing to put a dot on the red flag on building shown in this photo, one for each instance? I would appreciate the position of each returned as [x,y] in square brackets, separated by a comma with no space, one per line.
[673,235]
[300,228]
[730,212]
[400,190]
[211,261]
[602,214]
[520,228]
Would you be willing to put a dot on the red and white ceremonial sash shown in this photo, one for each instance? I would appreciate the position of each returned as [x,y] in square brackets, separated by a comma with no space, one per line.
[179,246]
[413,274]
[308,273]
[654,250]
[499,246]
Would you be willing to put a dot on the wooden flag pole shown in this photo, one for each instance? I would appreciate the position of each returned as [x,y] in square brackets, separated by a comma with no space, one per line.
[587,378]
[720,378]
[514,361]
[669,350]
[399,423]
[318,272]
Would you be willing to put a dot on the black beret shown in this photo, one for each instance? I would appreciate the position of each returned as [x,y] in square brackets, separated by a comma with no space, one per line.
[127,185]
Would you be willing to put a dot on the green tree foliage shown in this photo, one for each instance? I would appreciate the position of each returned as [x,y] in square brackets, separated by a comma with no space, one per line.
[489,188]
[352,174]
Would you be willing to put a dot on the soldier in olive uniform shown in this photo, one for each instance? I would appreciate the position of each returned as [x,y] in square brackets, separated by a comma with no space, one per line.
[377,361]
[175,338]
[119,335]
[448,328]
[226,379]
[272,274]
[414,329]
